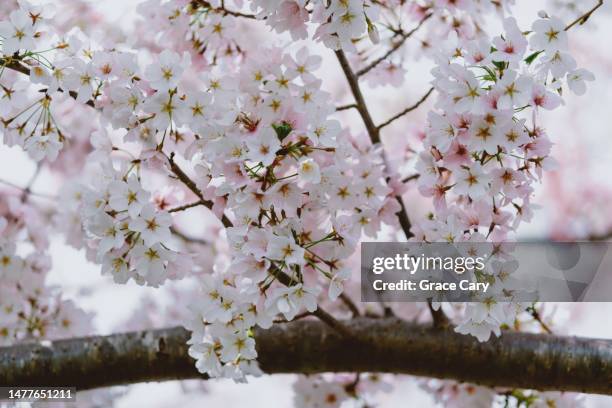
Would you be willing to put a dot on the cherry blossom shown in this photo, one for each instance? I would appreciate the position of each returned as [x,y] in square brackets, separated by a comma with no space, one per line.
[186,117]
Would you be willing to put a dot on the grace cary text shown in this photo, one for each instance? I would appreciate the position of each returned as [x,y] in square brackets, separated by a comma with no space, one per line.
[425,285]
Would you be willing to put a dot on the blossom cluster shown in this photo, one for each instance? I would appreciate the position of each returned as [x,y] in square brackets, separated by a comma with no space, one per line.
[127,234]
[30,308]
[300,202]
[485,148]
[209,29]
[251,137]
[457,395]
[264,151]
[413,29]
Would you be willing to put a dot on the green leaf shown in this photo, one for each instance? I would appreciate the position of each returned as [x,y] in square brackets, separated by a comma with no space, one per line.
[532,57]
[282,130]
[501,65]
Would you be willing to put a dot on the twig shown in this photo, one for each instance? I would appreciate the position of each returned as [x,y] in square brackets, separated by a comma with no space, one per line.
[223,10]
[298,316]
[408,109]
[186,206]
[15,65]
[27,190]
[345,107]
[350,304]
[394,48]
[320,312]
[536,316]
[388,311]
[239,14]
[351,388]
[440,320]
[583,18]
[410,178]
[191,185]
[187,238]
[30,192]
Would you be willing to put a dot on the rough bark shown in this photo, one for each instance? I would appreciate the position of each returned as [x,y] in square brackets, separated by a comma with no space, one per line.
[517,360]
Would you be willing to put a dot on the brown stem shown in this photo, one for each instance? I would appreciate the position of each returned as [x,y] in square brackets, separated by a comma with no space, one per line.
[395,47]
[187,206]
[514,360]
[191,185]
[345,107]
[536,316]
[187,238]
[30,192]
[410,178]
[320,313]
[407,110]
[350,304]
[583,18]
[440,320]
[223,10]
[359,101]
[600,237]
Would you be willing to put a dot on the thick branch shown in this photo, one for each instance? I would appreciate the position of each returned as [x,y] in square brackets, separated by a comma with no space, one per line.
[359,101]
[515,360]
[600,237]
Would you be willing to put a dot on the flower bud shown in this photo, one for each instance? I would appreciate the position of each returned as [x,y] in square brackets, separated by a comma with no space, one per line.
[373,34]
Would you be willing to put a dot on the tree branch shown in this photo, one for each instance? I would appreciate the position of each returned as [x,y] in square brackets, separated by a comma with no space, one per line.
[346,299]
[15,65]
[438,316]
[191,185]
[359,101]
[408,109]
[514,360]
[395,47]
[223,10]
[583,18]
[600,237]
[29,191]
[320,313]
[410,178]
[345,107]
[188,239]
[187,206]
